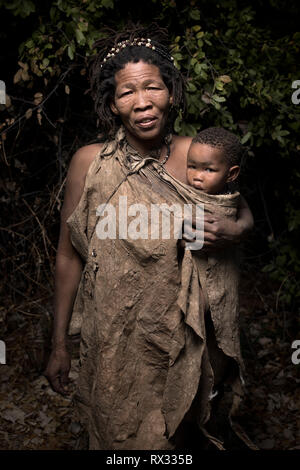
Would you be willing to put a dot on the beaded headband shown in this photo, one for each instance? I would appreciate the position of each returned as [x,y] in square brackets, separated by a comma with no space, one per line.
[136,42]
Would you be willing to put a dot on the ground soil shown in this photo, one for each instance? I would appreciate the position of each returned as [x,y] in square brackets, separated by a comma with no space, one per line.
[33,417]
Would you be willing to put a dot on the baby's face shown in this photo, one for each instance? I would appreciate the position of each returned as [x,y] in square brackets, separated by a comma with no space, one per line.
[207,169]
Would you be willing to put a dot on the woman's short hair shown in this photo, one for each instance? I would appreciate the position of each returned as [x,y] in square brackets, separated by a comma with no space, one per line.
[102,73]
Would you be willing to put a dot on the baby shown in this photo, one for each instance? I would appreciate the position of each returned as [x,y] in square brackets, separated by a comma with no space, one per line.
[213,160]
[213,163]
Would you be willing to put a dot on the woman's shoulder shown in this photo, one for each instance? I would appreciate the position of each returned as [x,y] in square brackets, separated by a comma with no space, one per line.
[83,158]
[182,142]
[76,176]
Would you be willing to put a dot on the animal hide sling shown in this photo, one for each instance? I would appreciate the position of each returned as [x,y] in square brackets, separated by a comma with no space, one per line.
[146,354]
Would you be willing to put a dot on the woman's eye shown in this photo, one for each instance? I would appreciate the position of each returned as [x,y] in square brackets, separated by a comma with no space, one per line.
[126,93]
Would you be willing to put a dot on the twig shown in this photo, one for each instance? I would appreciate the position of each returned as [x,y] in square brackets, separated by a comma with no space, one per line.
[279,290]
[61,79]
[266,306]
[19,235]
[29,314]
[45,236]
[265,208]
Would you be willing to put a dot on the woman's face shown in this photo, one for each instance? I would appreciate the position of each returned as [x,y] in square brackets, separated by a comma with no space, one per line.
[142,101]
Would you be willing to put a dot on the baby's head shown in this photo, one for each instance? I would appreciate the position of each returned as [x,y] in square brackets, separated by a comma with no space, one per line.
[213,160]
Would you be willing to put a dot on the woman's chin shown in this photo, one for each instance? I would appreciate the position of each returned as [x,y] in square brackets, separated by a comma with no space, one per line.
[152,133]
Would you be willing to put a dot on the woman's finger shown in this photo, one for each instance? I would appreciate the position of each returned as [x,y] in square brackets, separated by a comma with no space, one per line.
[188,238]
[65,379]
[210,227]
[58,386]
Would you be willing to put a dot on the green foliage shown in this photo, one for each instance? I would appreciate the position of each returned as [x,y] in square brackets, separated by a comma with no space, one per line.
[239,76]
[21,8]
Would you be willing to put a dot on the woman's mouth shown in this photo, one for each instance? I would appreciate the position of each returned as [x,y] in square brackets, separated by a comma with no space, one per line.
[146,122]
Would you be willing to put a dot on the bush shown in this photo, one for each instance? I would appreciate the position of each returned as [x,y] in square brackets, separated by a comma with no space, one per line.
[240,60]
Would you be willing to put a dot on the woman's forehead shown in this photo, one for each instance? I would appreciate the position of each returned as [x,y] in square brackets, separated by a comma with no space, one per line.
[136,73]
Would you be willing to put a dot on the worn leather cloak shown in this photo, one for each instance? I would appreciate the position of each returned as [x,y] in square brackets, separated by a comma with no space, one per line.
[145,355]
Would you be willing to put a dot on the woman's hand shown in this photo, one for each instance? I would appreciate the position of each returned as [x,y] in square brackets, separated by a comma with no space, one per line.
[217,231]
[58,369]
[220,231]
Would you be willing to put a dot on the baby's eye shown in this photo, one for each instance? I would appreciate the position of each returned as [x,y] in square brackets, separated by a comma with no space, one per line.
[210,170]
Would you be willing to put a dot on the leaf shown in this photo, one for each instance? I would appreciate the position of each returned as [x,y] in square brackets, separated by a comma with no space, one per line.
[24,75]
[225,78]
[195,14]
[28,113]
[17,76]
[191,87]
[29,43]
[108,3]
[264,341]
[80,36]
[38,98]
[13,415]
[67,89]
[8,101]
[44,419]
[177,124]
[218,99]
[219,85]
[206,98]
[70,52]
[246,137]
[39,116]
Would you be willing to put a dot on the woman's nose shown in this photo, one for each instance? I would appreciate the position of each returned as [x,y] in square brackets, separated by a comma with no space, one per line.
[141,101]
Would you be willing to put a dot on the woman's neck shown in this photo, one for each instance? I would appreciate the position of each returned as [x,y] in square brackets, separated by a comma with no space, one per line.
[144,147]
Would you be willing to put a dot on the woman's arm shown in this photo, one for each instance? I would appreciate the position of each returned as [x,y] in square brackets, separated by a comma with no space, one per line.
[68,269]
[245,219]
[221,231]
[218,231]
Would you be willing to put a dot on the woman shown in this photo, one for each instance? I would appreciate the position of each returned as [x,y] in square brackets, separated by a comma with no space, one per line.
[126,291]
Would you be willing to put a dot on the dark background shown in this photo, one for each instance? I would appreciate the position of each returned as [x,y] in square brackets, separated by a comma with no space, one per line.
[35,157]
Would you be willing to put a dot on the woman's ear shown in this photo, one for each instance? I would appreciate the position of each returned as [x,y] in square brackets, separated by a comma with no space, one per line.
[114,108]
[233,173]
